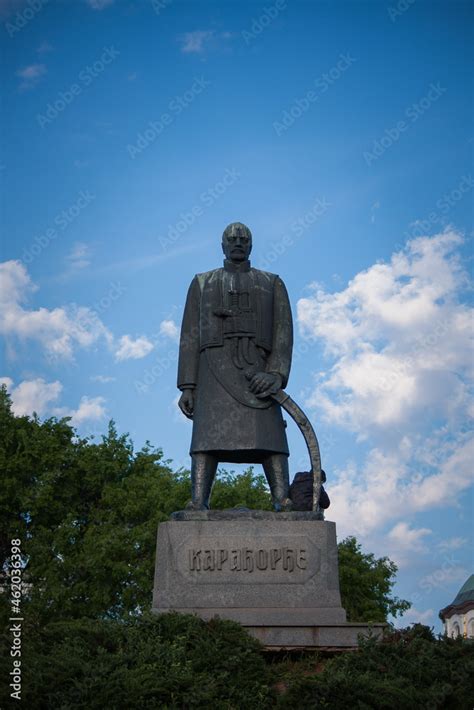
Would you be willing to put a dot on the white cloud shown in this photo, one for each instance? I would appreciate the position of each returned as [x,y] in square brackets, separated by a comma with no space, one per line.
[415,616]
[408,538]
[399,342]
[103,379]
[90,409]
[133,349]
[403,541]
[37,396]
[32,395]
[31,75]
[169,329]
[400,338]
[452,543]
[59,330]
[391,484]
[79,256]
[195,41]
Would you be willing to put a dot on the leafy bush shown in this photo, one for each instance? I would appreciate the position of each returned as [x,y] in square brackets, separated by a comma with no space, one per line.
[367,584]
[169,661]
[408,670]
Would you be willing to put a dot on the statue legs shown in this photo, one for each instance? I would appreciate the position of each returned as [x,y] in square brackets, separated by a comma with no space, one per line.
[203,472]
[278,478]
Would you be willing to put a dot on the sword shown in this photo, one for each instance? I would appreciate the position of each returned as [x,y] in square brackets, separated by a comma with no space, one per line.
[311,440]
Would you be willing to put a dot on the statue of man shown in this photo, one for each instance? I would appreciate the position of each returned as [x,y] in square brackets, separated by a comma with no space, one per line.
[235,348]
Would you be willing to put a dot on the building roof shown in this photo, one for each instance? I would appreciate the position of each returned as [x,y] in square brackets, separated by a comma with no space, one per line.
[463,601]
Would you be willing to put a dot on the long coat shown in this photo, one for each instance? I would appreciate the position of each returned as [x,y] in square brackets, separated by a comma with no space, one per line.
[237,321]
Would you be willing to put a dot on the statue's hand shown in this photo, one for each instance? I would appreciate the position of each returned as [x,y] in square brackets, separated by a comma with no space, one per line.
[186,403]
[265,381]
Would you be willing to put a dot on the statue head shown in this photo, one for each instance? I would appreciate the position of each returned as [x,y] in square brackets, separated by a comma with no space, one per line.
[237,242]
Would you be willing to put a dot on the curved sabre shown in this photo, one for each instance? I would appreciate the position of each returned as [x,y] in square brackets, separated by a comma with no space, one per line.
[304,425]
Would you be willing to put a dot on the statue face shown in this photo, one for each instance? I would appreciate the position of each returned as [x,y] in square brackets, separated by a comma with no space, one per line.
[237,242]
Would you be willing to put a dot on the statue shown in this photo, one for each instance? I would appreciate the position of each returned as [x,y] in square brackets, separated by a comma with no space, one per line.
[234,357]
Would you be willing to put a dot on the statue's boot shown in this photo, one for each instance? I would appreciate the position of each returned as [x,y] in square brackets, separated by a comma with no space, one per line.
[278,477]
[203,473]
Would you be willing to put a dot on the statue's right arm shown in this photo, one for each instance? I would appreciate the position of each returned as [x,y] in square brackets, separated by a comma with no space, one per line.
[188,363]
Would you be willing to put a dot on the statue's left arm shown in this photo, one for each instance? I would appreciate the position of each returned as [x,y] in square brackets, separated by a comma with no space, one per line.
[279,360]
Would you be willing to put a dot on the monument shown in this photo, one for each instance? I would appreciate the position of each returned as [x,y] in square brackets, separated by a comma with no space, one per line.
[276,573]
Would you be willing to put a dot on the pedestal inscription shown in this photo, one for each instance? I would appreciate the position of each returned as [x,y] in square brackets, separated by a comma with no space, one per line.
[270,561]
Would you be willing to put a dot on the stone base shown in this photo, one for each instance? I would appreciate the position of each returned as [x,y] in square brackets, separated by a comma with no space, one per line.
[275,574]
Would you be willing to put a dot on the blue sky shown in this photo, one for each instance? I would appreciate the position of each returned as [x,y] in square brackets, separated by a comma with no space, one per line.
[342,134]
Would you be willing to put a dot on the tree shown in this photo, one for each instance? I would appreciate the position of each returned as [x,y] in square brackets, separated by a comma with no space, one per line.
[366,584]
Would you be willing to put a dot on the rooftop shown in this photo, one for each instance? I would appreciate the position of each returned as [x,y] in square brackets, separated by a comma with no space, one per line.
[463,601]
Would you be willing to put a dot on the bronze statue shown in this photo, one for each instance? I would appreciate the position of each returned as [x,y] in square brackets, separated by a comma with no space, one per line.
[235,354]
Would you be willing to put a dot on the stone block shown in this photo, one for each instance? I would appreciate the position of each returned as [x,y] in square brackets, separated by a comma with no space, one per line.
[274,573]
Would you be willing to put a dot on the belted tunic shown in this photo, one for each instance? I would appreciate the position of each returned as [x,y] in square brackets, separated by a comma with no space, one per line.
[237,321]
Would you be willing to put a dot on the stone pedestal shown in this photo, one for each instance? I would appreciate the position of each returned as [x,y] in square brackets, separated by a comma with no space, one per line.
[274,573]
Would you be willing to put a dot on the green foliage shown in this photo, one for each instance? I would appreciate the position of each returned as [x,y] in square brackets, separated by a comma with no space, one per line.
[169,661]
[247,489]
[86,513]
[366,584]
[407,670]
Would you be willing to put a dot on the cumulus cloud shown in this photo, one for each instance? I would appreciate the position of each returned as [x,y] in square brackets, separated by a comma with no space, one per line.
[32,395]
[398,340]
[194,42]
[58,330]
[37,396]
[130,349]
[169,329]
[403,541]
[89,409]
